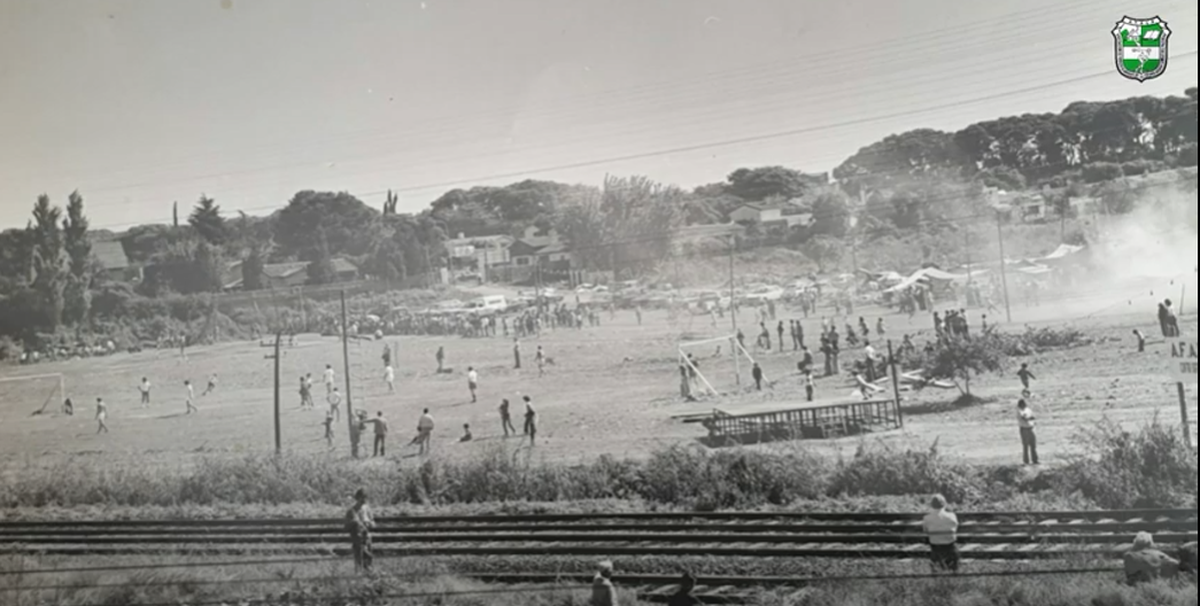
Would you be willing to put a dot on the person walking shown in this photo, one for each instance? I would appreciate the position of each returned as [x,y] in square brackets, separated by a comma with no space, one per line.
[190,395]
[506,419]
[1025,421]
[359,523]
[1025,375]
[328,429]
[101,416]
[941,526]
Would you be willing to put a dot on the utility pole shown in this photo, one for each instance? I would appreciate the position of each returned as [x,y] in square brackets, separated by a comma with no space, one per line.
[1003,269]
[895,383]
[537,294]
[278,437]
[967,248]
[733,309]
[346,368]
[428,268]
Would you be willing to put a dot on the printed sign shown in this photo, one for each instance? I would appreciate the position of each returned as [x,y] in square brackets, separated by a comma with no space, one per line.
[1183,359]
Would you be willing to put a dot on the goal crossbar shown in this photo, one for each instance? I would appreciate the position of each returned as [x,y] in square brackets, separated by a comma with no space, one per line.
[62,384]
[736,347]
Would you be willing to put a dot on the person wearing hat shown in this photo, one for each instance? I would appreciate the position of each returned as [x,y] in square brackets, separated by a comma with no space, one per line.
[684,597]
[1145,563]
[359,523]
[942,528]
[603,591]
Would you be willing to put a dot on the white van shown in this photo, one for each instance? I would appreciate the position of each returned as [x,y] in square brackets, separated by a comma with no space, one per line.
[494,303]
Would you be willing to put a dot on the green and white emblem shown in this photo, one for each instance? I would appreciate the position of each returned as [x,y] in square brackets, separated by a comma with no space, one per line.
[1141,47]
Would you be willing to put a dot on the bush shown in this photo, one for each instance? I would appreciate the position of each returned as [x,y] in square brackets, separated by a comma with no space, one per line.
[1097,172]
[1037,340]
[9,349]
[886,470]
[1119,469]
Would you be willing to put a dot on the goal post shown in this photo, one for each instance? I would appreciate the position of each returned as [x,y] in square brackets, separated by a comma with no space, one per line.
[721,366]
[40,390]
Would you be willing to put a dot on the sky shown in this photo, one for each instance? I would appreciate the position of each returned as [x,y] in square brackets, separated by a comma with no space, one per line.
[139,104]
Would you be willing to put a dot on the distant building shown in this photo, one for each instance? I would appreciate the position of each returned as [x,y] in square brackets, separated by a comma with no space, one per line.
[538,247]
[756,213]
[288,275]
[483,250]
[114,262]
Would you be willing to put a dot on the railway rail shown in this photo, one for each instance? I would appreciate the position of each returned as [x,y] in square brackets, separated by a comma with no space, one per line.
[989,536]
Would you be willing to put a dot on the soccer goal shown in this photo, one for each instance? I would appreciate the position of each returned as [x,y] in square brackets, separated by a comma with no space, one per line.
[45,393]
[718,365]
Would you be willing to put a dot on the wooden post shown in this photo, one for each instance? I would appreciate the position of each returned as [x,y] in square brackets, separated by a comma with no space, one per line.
[895,383]
[346,367]
[1183,415]
[733,310]
[278,436]
[1003,269]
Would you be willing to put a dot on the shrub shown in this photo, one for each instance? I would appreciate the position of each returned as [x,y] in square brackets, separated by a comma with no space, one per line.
[9,349]
[1119,469]
[886,470]
[1097,172]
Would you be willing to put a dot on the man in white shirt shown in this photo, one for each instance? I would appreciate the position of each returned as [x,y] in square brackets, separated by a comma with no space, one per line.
[328,379]
[942,528]
[191,397]
[472,381]
[145,389]
[1028,437]
[389,376]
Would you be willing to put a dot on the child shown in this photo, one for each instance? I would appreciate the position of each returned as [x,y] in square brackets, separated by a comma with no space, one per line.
[212,385]
[329,429]
[466,437]
[1025,375]
[809,386]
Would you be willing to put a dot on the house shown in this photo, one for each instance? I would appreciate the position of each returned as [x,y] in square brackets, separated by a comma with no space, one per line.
[544,248]
[523,254]
[756,213]
[114,262]
[288,275]
[483,250]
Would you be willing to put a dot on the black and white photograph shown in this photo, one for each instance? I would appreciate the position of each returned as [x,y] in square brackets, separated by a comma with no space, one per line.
[598,303]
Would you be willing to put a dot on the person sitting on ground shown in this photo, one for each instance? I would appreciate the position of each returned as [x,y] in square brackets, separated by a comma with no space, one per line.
[942,527]
[1145,563]
[684,597]
[603,591]
[466,437]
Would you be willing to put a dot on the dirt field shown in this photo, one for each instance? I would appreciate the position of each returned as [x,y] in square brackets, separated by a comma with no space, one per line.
[612,390]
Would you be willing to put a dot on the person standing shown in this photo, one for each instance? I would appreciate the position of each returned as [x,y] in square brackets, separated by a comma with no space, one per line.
[1025,420]
[441,358]
[101,416]
[540,357]
[424,431]
[359,523]
[506,418]
[191,396]
[329,379]
[516,354]
[809,386]
[381,431]
[389,377]
[387,354]
[472,382]
[335,403]
[1025,375]
[308,390]
[941,526]
[757,374]
[779,334]
[530,421]
[144,388]
[329,429]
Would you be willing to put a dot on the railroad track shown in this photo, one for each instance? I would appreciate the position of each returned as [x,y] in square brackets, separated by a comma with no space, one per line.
[983,536]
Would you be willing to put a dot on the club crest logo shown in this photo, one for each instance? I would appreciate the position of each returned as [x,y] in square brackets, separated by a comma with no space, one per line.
[1141,47]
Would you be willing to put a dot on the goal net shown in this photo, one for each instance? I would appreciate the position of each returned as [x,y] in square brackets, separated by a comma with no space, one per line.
[32,394]
[716,366]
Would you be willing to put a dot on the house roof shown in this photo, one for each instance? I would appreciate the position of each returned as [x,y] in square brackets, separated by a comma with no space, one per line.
[342,265]
[521,248]
[111,254]
[284,270]
[759,206]
[557,247]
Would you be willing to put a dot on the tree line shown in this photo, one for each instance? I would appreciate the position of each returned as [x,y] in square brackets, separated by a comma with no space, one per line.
[918,180]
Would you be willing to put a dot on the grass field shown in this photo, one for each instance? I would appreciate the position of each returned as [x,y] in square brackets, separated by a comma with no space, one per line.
[612,390]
